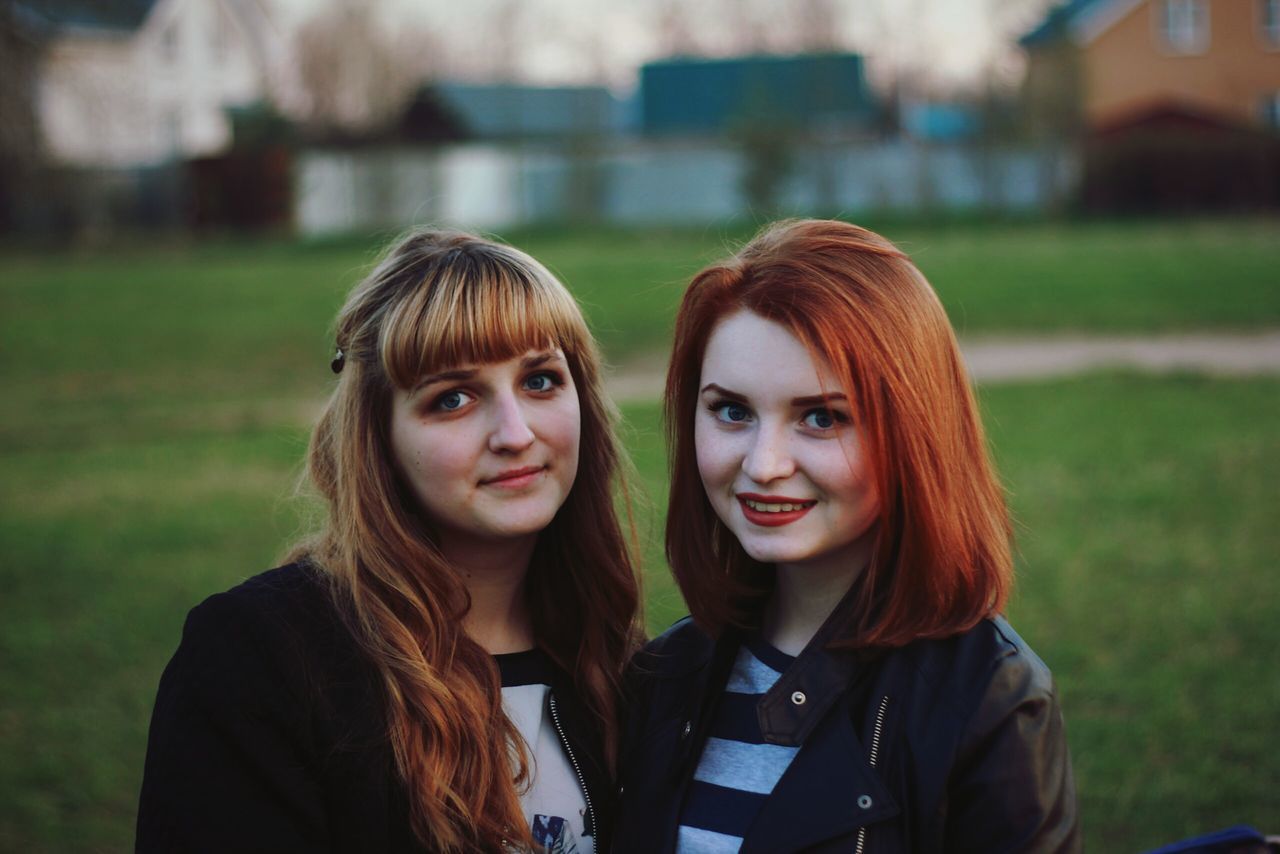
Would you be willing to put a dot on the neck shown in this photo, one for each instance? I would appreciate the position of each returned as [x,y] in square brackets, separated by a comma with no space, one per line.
[494,575]
[806,594]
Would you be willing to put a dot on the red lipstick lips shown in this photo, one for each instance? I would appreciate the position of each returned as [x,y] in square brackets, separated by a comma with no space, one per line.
[772,511]
[514,478]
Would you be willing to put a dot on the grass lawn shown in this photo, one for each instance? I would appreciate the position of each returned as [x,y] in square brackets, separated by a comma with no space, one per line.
[1147,510]
[156,403]
[91,340]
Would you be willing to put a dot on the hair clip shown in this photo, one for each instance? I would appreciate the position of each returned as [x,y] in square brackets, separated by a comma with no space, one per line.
[339,359]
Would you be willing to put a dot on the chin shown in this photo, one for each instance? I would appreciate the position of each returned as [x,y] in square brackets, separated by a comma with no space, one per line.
[525,525]
[773,552]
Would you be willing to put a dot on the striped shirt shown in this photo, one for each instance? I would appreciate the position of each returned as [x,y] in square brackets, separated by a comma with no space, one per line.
[737,769]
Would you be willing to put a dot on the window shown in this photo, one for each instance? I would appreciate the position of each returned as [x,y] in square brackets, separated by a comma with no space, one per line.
[1269,110]
[169,43]
[173,131]
[1184,25]
[1269,22]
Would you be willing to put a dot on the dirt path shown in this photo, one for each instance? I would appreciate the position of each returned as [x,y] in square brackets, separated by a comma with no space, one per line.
[1002,359]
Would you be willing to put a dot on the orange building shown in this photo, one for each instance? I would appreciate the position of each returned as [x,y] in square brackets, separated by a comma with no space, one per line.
[1104,62]
[1172,105]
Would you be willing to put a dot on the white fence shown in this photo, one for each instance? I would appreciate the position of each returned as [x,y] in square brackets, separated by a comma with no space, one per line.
[640,182]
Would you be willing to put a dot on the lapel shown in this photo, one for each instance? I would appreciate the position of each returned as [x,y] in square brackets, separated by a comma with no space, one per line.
[818,796]
[703,690]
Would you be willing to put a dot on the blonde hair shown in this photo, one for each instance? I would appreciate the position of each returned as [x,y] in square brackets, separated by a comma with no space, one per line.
[438,299]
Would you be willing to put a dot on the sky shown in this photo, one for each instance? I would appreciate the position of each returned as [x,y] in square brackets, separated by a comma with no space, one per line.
[942,45]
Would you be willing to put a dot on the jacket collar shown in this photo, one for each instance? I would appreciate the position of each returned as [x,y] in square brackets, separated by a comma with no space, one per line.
[804,694]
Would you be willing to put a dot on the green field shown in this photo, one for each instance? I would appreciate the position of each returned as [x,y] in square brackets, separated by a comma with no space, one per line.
[155,415]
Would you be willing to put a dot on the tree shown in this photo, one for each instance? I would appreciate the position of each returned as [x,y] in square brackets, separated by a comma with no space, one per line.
[677,33]
[21,160]
[356,74]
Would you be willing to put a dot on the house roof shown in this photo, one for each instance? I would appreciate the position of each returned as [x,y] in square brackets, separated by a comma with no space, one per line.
[696,95]
[51,15]
[1057,22]
[1081,21]
[512,110]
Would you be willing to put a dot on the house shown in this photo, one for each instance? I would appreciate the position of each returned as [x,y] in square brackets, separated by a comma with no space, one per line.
[710,97]
[1106,61]
[136,83]
[1175,104]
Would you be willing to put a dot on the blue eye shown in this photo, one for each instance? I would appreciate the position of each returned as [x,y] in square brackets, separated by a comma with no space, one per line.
[450,401]
[544,381]
[732,413]
[823,419]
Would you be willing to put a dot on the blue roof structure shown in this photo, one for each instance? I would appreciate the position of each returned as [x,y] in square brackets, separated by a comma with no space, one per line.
[1055,23]
[52,15]
[717,95]
[505,111]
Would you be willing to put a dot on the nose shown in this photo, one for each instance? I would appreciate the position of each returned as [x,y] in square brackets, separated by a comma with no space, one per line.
[768,458]
[509,432]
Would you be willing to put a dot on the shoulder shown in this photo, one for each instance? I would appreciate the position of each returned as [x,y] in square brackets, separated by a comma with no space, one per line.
[294,596]
[999,741]
[676,652]
[988,665]
[272,631]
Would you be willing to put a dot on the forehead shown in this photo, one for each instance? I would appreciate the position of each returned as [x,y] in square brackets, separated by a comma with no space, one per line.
[751,355]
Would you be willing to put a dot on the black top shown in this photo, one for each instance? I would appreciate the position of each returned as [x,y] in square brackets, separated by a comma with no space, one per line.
[269,732]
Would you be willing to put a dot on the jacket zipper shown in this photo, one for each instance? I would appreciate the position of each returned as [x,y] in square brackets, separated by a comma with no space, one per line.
[875,754]
[573,760]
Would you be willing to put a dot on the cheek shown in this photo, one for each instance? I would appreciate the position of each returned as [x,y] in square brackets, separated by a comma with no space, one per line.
[715,455]
[403,449]
[849,478]
[427,456]
[565,428]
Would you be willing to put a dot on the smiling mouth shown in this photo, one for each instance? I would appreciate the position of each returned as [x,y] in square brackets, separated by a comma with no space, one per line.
[773,511]
[776,506]
[515,477]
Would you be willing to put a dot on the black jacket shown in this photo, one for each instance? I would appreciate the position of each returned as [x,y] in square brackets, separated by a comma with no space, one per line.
[269,733]
[951,745]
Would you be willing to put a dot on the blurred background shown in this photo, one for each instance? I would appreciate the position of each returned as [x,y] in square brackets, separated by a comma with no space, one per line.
[189,187]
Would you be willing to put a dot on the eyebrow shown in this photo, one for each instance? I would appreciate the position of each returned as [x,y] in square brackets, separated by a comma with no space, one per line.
[536,359]
[721,390]
[445,376]
[811,400]
[818,399]
[458,374]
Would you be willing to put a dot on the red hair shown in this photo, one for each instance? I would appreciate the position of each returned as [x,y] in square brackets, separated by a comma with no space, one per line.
[941,558]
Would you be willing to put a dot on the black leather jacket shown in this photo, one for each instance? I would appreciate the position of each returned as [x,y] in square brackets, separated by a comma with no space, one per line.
[269,734]
[947,745]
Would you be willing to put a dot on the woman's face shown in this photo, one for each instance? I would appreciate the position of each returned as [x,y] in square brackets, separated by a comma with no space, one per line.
[490,450]
[777,449]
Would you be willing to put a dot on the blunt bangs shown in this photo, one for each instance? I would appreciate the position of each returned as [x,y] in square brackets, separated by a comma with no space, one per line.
[495,305]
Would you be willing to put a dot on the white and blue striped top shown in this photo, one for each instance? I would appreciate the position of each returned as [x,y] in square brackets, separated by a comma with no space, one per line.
[737,769]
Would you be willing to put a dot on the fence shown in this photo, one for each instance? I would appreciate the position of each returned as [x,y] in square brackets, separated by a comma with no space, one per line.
[643,182]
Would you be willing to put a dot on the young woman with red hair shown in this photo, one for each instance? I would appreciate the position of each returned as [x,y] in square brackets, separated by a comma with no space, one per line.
[439,668]
[845,681]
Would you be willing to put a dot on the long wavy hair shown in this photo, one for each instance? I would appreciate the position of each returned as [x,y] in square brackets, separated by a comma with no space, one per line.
[941,557]
[439,299]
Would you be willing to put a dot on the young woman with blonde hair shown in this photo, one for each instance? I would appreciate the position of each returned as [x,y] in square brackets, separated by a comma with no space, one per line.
[439,668]
[846,682]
